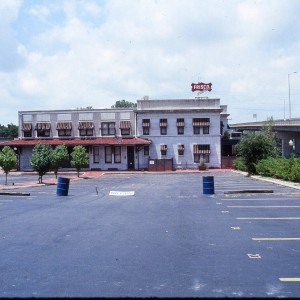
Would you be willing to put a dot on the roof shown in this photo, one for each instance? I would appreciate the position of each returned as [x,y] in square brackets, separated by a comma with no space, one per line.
[77,141]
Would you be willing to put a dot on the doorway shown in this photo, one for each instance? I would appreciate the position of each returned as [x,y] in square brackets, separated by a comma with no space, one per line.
[130,157]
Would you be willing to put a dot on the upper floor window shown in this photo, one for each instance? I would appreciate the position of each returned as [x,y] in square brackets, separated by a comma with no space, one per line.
[163,123]
[86,128]
[201,122]
[27,129]
[43,129]
[146,126]
[108,128]
[180,126]
[125,127]
[64,128]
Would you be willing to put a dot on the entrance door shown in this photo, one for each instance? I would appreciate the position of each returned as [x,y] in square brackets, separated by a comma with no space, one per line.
[130,157]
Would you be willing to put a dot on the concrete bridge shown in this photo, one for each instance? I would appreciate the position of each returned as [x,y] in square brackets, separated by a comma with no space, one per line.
[287,131]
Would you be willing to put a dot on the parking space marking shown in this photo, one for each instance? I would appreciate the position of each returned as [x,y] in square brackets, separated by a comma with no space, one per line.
[260,199]
[293,279]
[285,218]
[264,206]
[280,218]
[276,239]
[253,255]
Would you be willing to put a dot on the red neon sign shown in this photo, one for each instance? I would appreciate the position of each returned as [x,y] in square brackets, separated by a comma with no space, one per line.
[200,86]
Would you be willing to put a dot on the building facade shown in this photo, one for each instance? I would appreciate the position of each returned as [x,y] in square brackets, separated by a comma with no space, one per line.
[186,131]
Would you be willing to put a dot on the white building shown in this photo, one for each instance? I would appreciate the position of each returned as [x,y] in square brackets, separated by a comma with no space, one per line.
[183,131]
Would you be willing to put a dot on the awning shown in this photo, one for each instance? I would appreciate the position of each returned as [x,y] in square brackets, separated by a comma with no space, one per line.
[85,125]
[64,125]
[124,124]
[26,126]
[43,126]
[180,147]
[146,123]
[163,147]
[201,149]
[201,122]
[180,123]
[163,123]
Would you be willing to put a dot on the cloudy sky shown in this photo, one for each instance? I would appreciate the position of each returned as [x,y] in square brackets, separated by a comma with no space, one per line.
[65,54]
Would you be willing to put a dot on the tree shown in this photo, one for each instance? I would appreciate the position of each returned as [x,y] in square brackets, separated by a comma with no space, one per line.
[124,104]
[41,159]
[256,146]
[80,158]
[10,131]
[59,157]
[8,160]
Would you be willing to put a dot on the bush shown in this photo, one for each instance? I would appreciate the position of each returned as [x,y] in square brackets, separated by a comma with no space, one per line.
[239,164]
[281,168]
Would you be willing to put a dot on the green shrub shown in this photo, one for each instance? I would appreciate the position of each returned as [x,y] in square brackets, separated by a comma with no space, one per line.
[281,168]
[239,164]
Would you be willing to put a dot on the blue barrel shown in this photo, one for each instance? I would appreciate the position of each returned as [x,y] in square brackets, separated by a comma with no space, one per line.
[208,185]
[62,186]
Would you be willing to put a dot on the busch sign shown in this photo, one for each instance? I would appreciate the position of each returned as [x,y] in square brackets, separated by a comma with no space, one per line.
[201,87]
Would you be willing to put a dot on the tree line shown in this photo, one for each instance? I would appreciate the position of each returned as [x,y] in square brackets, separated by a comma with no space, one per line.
[46,158]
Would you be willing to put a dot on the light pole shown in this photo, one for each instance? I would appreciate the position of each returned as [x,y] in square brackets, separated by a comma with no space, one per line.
[290,93]
[292,144]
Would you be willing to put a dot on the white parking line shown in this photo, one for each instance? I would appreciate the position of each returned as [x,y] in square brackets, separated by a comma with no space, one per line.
[276,239]
[264,206]
[293,279]
[286,218]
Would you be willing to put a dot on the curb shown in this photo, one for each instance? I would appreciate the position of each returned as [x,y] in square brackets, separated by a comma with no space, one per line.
[248,191]
[14,193]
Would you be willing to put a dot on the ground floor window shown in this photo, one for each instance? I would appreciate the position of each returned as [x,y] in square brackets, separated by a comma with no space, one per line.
[96,155]
[201,157]
[201,153]
[146,150]
[112,154]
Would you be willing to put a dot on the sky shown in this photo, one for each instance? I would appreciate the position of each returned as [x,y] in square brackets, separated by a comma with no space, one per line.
[67,54]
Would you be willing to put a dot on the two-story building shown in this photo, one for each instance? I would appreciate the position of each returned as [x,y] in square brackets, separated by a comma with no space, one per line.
[186,131]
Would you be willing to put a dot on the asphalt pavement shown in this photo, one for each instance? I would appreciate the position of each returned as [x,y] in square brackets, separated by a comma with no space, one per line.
[145,234]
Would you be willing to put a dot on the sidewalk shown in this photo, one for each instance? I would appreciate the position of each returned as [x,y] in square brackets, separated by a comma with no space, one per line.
[49,181]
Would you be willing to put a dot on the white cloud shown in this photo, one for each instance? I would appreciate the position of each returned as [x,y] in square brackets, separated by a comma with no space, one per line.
[97,52]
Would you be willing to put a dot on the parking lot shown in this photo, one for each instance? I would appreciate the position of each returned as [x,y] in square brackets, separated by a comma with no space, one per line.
[151,235]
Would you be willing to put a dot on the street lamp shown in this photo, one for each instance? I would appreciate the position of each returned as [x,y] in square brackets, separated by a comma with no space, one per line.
[292,144]
[290,92]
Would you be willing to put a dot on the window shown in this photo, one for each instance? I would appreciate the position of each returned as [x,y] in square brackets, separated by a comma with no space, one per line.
[96,154]
[201,122]
[201,152]
[27,129]
[180,126]
[108,154]
[117,154]
[108,128]
[86,128]
[64,128]
[163,123]
[180,149]
[146,150]
[206,130]
[43,129]
[163,149]
[125,127]
[112,154]
[146,126]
